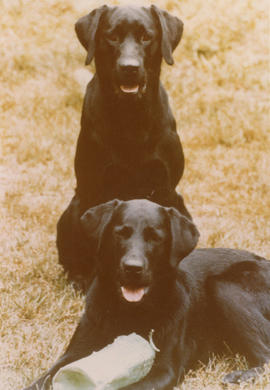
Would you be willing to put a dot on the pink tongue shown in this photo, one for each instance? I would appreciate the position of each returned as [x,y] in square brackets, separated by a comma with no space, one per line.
[132,295]
[127,89]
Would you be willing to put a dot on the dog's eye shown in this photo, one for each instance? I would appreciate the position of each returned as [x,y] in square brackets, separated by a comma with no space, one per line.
[145,37]
[151,234]
[123,231]
[112,37]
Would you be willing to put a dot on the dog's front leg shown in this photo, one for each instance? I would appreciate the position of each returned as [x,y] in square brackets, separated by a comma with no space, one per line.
[44,382]
[82,344]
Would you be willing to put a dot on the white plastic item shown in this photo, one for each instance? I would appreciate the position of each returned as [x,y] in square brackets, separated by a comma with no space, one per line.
[127,360]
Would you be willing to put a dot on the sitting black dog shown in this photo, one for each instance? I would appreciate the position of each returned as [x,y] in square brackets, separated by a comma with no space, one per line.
[213,298]
[128,147]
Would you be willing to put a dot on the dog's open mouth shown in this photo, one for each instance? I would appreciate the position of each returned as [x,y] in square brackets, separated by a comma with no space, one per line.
[132,89]
[133,294]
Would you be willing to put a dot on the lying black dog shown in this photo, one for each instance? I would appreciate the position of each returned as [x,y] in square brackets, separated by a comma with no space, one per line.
[215,297]
[128,147]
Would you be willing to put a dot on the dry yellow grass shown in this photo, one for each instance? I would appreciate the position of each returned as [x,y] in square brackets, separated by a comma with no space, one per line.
[219,88]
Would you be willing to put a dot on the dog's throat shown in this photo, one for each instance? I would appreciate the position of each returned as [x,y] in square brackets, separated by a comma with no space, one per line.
[133,294]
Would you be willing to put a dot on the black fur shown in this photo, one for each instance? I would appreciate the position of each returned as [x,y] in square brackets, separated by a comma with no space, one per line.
[128,147]
[213,298]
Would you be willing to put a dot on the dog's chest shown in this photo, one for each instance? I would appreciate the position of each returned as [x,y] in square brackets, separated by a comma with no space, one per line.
[135,178]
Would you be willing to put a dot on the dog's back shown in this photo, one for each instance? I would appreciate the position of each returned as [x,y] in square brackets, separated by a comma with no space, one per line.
[213,261]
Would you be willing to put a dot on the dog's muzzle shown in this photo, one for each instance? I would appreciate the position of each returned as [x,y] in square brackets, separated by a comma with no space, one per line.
[130,77]
[133,286]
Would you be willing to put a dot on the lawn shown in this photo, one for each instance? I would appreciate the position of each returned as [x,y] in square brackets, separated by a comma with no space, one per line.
[219,91]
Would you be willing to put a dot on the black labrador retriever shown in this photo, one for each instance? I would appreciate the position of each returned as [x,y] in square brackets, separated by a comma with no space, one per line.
[214,298]
[128,147]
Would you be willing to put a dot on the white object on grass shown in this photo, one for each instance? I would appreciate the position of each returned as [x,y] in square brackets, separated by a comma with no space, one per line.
[127,360]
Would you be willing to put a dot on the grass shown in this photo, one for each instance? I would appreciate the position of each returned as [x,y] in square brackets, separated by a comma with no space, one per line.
[219,90]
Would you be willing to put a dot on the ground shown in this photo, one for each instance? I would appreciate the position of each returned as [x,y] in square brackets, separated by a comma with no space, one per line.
[219,91]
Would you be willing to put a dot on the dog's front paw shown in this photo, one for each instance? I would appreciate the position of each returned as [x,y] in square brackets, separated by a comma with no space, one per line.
[43,383]
[239,376]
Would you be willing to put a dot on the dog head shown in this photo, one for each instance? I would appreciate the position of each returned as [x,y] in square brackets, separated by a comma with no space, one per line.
[139,244]
[128,44]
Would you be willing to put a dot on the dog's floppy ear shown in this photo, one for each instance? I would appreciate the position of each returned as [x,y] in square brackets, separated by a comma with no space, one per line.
[185,236]
[86,28]
[95,219]
[171,30]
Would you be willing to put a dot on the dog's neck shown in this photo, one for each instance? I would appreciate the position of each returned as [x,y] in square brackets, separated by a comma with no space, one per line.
[130,119]
[166,296]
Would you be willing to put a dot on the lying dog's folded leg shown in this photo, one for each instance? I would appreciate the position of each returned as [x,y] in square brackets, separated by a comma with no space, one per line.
[242,300]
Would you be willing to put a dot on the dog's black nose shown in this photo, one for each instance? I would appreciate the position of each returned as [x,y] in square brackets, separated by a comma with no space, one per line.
[129,69]
[129,65]
[133,269]
[132,266]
